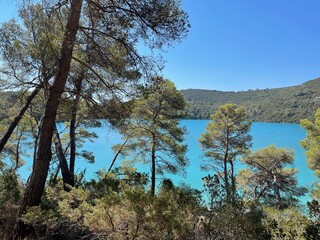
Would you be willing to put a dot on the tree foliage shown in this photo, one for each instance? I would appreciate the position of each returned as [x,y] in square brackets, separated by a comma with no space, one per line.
[153,133]
[311,144]
[288,104]
[55,40]
[74,61]
[131,212]
[286,224]
[225,140]
[269,177]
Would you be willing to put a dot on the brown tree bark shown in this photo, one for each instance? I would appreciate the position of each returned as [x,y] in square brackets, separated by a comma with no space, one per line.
[66,173]
[73,126]
[277,193]
[225,173]
[36,184]
[153,166]
[117,154]
[17,119]
[233,185]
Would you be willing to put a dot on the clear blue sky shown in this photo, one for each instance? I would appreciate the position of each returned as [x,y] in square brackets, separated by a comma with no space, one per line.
[247,44]
[241,44]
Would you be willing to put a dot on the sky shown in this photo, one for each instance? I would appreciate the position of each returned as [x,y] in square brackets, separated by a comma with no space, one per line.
[236,45]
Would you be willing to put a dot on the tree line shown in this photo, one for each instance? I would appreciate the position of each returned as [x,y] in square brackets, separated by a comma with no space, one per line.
[260,201]
[288,104]
[66,57]
[76,60]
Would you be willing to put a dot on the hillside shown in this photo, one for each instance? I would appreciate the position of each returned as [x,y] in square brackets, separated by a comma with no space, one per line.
[289,104]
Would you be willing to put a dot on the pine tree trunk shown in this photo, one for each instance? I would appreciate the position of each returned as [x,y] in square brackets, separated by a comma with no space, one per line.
[153,166]
[66,174]
[36,184]
[233,185]
[17,119]
[226,179]
[73,126]
[225,168]
[278,196]
[117,154]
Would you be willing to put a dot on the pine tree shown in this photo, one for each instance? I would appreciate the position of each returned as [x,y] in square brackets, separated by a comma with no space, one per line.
[311,143]
[270,178]
[153,133]
[226,138]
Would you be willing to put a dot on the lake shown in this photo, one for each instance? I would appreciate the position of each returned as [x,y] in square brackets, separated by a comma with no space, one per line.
[280,134]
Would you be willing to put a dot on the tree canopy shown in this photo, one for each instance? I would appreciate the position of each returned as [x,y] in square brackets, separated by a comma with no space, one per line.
[311,144]
[269,177]
[152,131]
[288,104]
[82,48]
[225,140]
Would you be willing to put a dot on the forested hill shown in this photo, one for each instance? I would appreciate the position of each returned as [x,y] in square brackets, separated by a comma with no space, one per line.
[289,104]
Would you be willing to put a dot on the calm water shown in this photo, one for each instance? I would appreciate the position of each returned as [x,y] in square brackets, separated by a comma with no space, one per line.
[280,134]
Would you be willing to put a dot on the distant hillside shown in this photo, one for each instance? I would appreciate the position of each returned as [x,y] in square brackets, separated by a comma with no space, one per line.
[289,104]
[7,99]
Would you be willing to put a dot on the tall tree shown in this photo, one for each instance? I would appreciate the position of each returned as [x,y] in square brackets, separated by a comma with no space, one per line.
[127,23]
[16,149]
[29,61]
[270,178]
[17,119]
[153,134]
[226,138]
[311,143]
[40,169]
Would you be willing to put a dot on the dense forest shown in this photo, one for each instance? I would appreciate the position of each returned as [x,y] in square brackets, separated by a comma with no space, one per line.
[78,62]
[288,104]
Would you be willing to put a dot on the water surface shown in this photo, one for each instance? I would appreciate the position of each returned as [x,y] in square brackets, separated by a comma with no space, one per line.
[279,134]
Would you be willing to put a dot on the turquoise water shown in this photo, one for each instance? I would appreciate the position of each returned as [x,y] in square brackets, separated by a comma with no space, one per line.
[280,134]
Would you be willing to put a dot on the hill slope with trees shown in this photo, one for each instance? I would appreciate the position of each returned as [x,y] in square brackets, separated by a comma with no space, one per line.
[288,104]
